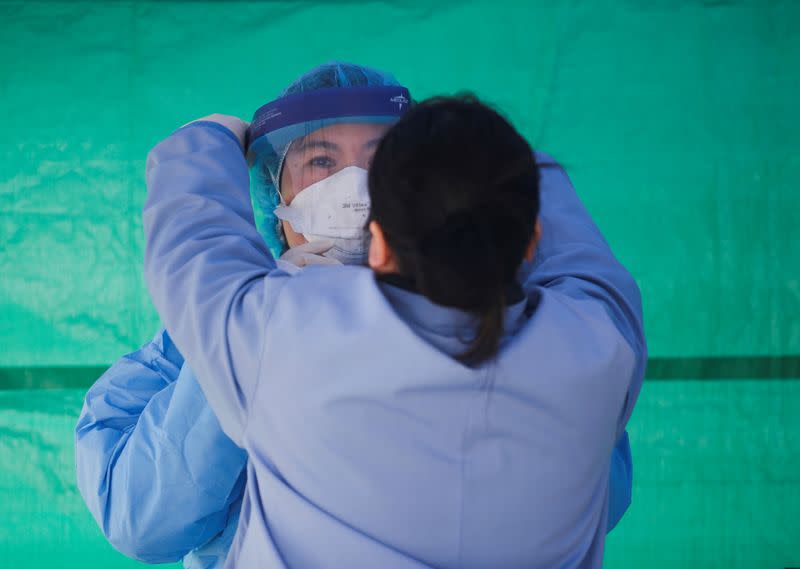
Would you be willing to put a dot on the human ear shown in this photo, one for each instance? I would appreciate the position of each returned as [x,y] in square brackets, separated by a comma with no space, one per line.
[537,235]
[381,258]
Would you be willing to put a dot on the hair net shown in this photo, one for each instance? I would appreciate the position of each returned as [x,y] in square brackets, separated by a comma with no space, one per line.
[329,94]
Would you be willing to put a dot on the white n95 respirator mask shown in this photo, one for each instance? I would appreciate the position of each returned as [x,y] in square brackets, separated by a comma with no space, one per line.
[334,209]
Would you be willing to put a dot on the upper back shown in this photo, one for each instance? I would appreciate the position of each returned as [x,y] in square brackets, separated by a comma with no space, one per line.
[354,403]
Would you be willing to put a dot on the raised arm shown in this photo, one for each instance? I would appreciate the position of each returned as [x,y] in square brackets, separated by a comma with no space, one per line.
[574,258]
[207,268]
[153,466]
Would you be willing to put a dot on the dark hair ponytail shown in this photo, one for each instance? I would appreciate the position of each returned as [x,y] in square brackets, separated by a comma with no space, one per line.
[455,189]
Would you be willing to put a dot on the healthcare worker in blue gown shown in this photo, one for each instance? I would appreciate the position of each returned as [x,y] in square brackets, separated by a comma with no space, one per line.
[159,475]
[429,410]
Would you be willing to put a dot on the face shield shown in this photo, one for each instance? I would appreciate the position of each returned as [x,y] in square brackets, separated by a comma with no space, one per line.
[308,155]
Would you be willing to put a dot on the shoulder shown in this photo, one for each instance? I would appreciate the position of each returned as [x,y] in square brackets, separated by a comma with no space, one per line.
[323,284]
[581,332]
[338,296]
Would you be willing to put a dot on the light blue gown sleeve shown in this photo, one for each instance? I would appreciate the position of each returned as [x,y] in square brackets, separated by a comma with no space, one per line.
[209,272]
[573,258]
[153,466]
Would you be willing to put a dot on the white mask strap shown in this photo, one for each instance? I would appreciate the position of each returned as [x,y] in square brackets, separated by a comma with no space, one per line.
[292,215]
[281,164]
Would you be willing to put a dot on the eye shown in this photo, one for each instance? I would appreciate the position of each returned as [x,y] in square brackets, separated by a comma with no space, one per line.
[322,162]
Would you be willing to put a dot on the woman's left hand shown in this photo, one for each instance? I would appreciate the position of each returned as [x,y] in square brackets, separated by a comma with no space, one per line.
[234,124]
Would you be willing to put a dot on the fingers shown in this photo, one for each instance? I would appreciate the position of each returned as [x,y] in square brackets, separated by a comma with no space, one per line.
[234,124]
[315,247]
[310,254]
[308,259]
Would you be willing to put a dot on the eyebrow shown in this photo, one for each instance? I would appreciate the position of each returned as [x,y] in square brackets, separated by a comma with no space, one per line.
[306,144]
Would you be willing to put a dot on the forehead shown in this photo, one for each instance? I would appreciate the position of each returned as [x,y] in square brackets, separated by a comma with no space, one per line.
[342,135]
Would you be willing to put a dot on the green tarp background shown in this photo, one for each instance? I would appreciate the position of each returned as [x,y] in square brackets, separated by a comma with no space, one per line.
[677,120]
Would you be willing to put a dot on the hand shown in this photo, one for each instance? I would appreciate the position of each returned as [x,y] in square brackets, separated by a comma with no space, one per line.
[309,254]
[234,124]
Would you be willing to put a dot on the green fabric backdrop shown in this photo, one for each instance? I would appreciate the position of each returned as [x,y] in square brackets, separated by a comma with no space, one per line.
[677,120]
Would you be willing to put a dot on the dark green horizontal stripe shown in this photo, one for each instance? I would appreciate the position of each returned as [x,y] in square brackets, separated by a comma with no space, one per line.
[49,377]
[724,368]
[658,369]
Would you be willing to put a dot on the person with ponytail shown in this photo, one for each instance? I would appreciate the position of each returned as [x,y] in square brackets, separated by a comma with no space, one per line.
[456,221]
[454,403]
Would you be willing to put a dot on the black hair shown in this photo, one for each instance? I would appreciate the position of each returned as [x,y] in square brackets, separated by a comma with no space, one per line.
[455,189]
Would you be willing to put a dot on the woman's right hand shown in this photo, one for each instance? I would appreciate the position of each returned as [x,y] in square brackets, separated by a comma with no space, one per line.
[310,253]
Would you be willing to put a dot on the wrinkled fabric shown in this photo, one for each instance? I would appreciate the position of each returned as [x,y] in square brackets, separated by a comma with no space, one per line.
[99,467]
[405,460]
[155,469]
[150,398]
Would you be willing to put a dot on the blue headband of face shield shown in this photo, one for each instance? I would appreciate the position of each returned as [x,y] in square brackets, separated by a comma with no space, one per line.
[276,124]
[337,102]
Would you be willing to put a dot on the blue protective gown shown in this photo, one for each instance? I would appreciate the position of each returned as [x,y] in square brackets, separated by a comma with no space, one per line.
[146,430]
[159,516]
[160,477]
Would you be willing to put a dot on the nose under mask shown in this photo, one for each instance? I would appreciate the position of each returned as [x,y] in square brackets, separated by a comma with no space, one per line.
[335,209]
